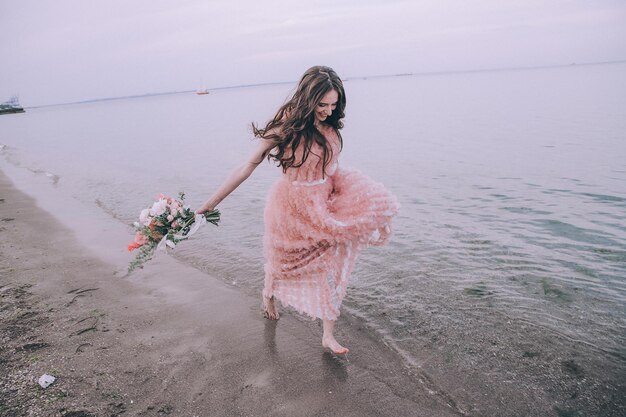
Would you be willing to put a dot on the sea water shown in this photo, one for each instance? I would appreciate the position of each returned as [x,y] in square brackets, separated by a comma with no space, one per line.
[512,184]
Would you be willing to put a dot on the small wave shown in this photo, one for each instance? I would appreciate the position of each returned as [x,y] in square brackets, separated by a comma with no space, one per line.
[502,196]
[556,190]
[558,228]
[53,177]
[108,210]
[6,150]
[611,255]
[604,197]
[526,210]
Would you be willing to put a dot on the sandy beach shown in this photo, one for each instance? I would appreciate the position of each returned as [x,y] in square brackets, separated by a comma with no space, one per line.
[169,340]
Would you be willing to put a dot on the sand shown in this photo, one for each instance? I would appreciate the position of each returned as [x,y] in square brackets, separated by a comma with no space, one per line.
[170,340]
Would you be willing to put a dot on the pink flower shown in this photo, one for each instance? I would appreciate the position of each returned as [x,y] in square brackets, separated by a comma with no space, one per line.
[139,241]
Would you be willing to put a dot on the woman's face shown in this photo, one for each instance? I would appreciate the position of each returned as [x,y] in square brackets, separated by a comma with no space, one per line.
[326,106]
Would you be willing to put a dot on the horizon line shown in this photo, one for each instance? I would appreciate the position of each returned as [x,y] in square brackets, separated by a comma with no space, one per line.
[349,78]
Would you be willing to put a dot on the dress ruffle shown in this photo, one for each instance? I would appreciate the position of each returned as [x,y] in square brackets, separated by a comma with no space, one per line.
[315,227]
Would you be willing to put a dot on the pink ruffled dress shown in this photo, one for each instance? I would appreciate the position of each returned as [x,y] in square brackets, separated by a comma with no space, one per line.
[316,225]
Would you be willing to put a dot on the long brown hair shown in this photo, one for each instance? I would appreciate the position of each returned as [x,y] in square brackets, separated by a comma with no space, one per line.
[293,123]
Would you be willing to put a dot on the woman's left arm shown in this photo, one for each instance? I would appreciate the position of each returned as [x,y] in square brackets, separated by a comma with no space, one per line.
[238,176]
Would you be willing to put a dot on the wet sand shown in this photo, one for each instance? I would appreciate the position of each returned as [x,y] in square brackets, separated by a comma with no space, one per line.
[169,340]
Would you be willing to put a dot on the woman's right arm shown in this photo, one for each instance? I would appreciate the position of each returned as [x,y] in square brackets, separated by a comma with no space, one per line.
[238,176]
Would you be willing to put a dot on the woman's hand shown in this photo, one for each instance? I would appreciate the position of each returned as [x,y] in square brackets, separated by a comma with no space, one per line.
[206,207]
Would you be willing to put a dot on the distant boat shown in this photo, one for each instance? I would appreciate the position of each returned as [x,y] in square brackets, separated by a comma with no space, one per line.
[11,106]
[202,90]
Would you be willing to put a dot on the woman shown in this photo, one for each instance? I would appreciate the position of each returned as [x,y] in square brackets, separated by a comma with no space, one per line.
[318,215]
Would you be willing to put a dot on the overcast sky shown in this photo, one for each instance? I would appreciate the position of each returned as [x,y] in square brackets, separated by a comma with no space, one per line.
[65,50]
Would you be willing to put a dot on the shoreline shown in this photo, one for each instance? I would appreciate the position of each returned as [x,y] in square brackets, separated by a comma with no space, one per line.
[172,340]
[150,344]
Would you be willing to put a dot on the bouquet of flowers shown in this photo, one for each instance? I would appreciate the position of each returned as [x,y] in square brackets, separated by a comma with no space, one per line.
[166,223]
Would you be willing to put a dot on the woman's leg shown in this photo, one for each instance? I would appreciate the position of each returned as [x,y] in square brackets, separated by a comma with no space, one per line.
[328,339]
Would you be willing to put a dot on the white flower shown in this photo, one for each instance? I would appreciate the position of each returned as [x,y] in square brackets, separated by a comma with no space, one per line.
[158,207]
[170,218]
[144,217]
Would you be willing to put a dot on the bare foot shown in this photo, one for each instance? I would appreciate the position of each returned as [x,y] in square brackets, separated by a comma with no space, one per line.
[331,344]
[269,309]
